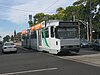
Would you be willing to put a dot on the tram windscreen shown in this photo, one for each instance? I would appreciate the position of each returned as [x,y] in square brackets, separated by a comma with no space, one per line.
[66,33]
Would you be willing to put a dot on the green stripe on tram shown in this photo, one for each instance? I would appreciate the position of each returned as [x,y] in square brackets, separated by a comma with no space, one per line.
[45,40]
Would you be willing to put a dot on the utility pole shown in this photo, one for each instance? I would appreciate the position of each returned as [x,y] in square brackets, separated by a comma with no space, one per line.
[90,23]
[87,27]
[86,24]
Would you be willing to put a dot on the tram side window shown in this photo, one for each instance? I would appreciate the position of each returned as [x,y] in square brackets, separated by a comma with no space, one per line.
[46,33]
[33,34]
[23,37]
[42,35]
[27,36]
[52,31]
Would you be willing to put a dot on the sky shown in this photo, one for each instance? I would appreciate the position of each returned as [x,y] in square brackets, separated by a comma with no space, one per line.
[14,13]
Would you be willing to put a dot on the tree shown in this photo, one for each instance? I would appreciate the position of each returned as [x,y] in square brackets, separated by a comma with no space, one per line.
[39,18]
[12,38]
[59,10]
[81,9]
[19,36]
[96,23]
[14,33]
[30,23]
[70,11]
[42,17]
[60,13]
[90,9]
[6,38]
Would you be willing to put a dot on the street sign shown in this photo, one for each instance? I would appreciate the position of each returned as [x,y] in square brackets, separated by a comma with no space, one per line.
[30,17]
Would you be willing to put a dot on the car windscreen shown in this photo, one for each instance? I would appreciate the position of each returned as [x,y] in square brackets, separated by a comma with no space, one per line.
[6,44]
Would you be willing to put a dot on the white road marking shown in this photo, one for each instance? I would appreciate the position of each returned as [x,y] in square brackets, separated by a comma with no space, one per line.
[30,71]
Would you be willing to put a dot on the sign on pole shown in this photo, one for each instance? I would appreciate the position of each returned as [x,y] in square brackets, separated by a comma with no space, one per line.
[30,17]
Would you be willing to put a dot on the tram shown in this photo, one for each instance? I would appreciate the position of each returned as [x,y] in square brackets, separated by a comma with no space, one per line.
[53,36]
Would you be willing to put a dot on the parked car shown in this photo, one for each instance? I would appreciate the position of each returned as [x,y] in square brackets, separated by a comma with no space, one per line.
[96,44]
[1,43]
[85,43]
[9,47]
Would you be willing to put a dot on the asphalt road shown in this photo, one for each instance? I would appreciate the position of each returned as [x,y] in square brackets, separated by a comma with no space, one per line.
[30,62]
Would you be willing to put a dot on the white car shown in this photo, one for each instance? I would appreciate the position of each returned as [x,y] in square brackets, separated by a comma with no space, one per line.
[9,47]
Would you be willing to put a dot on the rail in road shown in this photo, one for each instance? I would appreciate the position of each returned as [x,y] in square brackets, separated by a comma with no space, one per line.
[86,55]
[37,63]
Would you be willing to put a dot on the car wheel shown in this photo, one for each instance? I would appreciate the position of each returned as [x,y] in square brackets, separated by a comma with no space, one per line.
[15,52]
[94,48]
[97,48]
[3,51]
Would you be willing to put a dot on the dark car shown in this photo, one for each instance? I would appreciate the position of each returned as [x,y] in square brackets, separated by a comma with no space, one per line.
[84,43]
[96,44]
[1,43]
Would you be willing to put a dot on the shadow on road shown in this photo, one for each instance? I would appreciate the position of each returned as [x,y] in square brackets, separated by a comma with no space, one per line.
[67,54]
[83,51]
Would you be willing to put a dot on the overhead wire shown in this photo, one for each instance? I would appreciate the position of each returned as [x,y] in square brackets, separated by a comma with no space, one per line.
[50,5]
[44,11]
[6,6]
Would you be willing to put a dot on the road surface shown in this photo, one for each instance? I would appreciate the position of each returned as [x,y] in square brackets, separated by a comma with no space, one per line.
[30,62]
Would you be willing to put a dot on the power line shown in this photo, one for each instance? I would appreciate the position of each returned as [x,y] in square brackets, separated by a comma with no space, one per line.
[6,6]
[50,5]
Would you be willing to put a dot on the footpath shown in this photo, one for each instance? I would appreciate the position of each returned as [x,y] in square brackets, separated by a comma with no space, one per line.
[91,59]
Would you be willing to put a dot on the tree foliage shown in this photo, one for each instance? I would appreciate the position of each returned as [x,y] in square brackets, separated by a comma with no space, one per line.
[90,8]
[18,37]
[30,23]
[6,38]
[81,9]
[39,18]
[12,38]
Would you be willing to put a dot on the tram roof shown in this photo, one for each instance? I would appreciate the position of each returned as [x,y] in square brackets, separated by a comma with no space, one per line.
[47,24]
[57,22]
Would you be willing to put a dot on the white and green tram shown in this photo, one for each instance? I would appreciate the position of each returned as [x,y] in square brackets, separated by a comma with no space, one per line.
[53,36]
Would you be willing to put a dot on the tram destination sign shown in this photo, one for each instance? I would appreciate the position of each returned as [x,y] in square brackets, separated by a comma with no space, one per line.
[68,23]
